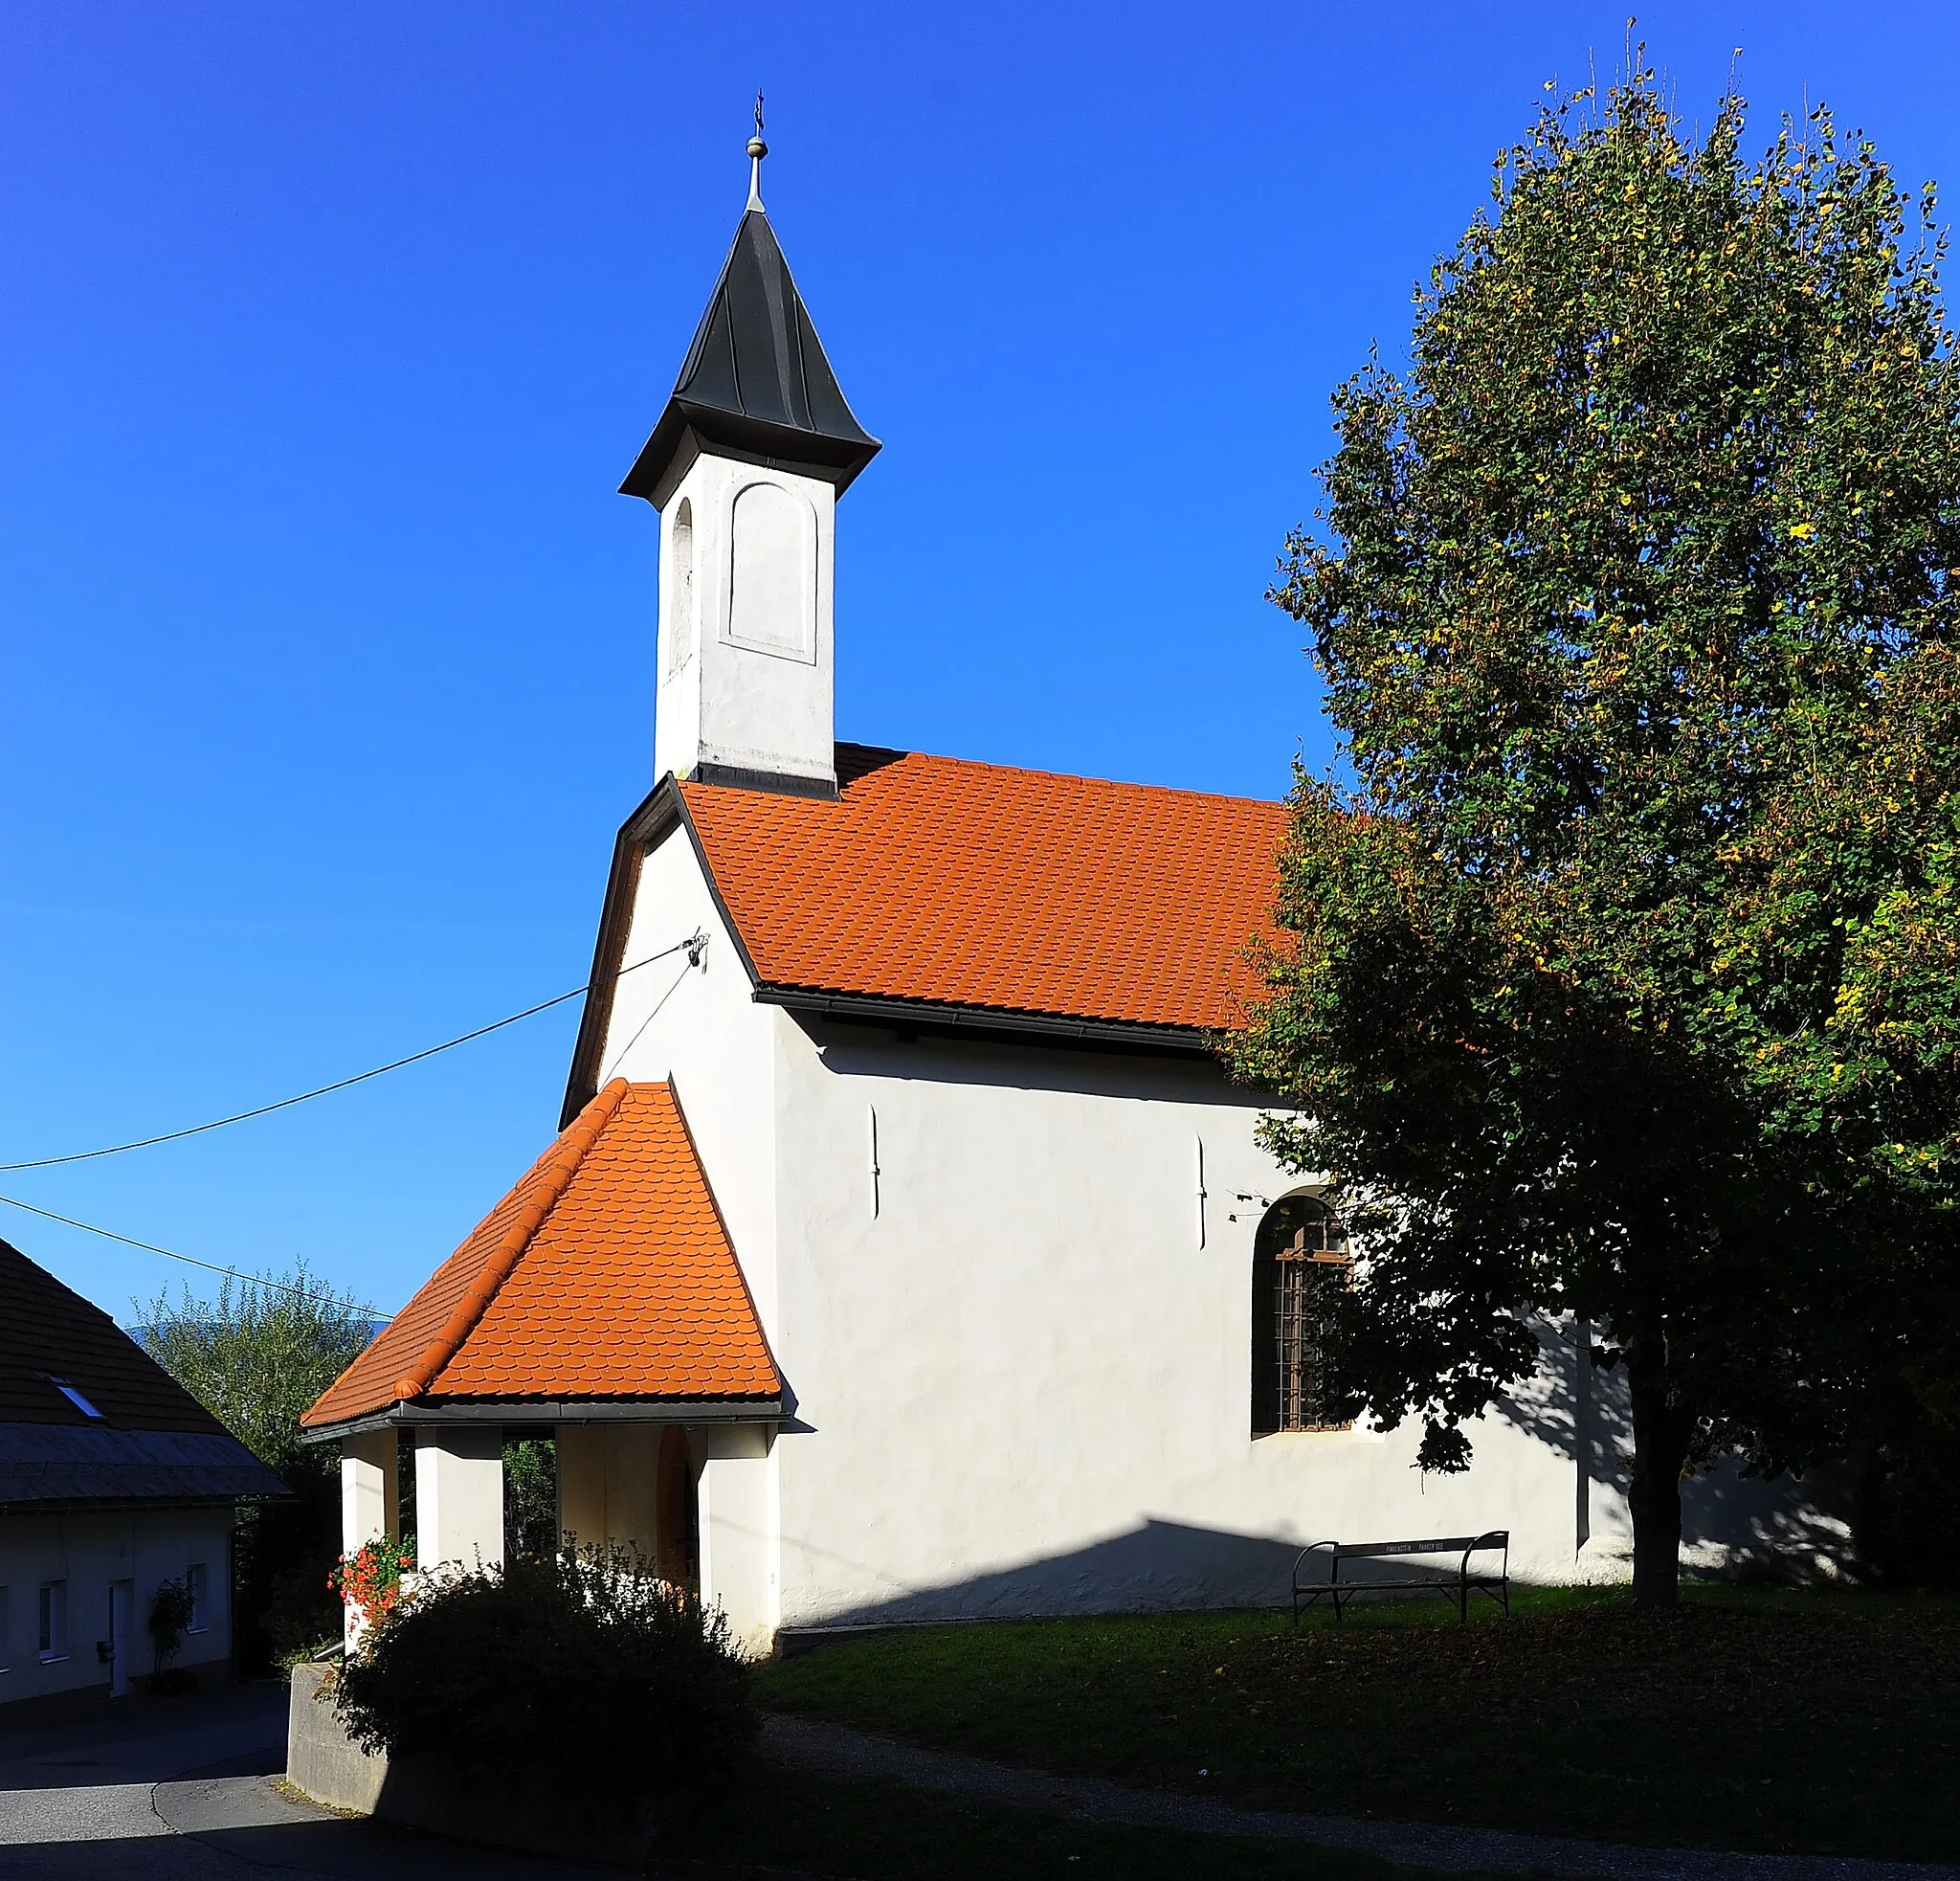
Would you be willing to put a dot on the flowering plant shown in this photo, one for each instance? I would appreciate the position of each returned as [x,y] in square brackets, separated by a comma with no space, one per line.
[369,1579]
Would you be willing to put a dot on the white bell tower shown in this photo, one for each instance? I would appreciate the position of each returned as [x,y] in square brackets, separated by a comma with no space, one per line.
[745,467]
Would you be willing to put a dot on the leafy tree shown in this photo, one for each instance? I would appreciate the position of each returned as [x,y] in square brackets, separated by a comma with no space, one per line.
[530,1498]
[255,1358]
[1624,981]
[258,1355]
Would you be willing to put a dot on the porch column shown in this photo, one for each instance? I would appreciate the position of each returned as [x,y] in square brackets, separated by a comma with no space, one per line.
[738,1531]
[460,1495]
[367,1487]
[368,1497]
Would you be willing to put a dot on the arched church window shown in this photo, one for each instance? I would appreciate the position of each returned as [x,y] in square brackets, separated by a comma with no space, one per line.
[680,588]
[1299,1268]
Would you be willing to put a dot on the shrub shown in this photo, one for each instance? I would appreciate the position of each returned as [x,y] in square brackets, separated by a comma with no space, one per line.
[170,1613]
[583,1669]
[302,1614]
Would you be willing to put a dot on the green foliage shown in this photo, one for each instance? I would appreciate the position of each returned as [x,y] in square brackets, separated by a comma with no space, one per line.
[584,1667]
[1623,982]
[170,1614]
[258,1355]
[255,1358]
[531,1497]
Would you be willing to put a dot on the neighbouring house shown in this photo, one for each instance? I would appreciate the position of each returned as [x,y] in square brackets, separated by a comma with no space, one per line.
[906,1253]
[113,1480]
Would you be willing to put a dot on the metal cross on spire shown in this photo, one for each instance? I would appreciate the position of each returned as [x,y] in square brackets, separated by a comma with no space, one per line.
[757,151]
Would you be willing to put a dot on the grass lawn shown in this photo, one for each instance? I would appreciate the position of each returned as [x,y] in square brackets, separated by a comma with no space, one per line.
[1822,1723]
[785,1818]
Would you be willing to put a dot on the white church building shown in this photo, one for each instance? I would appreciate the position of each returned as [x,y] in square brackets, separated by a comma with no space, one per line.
[906,1252]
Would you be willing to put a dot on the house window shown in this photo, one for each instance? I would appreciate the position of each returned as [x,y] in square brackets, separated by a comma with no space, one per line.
[75,1397]
[54,1634]
[194,1585]
[1299,1269]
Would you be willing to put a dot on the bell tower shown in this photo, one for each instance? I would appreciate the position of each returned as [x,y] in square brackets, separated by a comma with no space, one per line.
[744,468]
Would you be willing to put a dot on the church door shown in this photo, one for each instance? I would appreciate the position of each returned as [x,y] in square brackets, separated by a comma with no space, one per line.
[678,1514]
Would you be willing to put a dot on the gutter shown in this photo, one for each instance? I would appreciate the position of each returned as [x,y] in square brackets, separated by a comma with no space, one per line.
[926,1015]
[522,1411]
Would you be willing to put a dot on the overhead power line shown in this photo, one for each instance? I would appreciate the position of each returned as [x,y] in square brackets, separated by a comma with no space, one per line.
[210,1267]
[692,946]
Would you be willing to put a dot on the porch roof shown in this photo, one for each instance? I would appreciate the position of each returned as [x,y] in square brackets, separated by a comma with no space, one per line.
[605,1276]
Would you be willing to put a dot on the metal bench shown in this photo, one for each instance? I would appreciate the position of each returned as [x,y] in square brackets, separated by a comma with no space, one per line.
[1456,1583]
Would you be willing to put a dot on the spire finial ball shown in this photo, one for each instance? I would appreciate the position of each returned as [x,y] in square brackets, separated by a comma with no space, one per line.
[757,147]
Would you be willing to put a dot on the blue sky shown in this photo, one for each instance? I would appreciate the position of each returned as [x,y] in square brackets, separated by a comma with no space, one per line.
[327,333]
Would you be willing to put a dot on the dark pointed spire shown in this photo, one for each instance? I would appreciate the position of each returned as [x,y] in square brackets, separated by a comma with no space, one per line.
[755,382]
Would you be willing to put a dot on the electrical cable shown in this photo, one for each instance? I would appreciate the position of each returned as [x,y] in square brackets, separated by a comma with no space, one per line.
[619,1056]
[169,1254]
[692,946]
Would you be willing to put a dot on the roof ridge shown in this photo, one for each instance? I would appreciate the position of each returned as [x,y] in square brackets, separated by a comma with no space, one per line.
[1064,776]
[558,1165]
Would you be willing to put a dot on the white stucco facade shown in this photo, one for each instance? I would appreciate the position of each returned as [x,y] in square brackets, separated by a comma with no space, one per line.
[92,1576]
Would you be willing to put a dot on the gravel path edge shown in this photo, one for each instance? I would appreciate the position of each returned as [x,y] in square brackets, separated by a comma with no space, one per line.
[840,1751]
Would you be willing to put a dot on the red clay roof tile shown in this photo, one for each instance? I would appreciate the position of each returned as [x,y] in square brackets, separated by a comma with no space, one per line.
[975,885]
[606,1273]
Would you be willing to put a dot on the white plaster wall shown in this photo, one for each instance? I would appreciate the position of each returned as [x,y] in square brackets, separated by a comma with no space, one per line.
[723,701]
[89,1552]
[608,1477]
[1022,1384]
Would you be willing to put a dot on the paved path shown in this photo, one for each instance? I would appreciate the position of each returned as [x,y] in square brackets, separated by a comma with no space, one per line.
[183,1788]
[838,1751]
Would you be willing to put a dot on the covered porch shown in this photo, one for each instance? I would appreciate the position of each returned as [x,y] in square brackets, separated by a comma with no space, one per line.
[599,1308]
[685,1486]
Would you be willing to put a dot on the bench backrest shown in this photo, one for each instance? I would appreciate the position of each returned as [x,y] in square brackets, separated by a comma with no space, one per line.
[1453,1544]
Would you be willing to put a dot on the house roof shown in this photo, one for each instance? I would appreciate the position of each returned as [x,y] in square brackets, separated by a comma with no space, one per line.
[605,1274]
[756,380]
[47,1330]
[976,885]
[152,1440]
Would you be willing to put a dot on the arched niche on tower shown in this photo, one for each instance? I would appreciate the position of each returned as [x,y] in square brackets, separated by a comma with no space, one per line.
[680,601]
[772,572]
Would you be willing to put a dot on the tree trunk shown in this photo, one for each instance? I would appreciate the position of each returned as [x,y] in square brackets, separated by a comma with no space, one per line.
[1662,1432]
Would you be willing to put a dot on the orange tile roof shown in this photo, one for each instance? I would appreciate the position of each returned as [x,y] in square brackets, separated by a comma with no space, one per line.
[976,885]
[606,1273]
